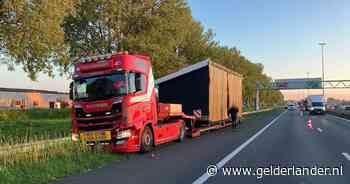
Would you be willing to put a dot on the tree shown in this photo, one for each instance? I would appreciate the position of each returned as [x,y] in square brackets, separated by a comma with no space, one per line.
[42,35]
[31,34]
[162,29]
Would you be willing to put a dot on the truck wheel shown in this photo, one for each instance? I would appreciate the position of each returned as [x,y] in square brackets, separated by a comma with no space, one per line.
[146,140]
[182,134]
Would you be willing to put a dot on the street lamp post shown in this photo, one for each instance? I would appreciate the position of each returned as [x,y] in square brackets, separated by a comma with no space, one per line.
[322,44]
[308,83]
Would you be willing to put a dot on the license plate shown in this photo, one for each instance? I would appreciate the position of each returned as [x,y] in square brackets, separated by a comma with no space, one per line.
[95,136]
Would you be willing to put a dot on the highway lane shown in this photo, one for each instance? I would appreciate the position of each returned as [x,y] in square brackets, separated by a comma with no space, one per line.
[175,162]
[286,141]
[291,142]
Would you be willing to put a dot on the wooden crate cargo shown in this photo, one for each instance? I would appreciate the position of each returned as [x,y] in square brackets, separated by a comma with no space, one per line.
[207,86]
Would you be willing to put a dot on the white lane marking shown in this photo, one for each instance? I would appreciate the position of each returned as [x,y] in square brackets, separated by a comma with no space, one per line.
[346,155]
[227,158]
[340,118]
[319,129]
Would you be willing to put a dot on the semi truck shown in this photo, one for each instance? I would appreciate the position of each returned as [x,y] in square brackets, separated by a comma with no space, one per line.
[116,104]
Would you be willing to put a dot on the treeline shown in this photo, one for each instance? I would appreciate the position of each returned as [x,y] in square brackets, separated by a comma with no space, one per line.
[44,35]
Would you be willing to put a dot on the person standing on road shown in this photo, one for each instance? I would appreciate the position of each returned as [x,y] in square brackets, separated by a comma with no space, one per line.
[233,115]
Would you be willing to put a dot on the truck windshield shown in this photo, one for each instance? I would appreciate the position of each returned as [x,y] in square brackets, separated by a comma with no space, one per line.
[317,104]
[100,87]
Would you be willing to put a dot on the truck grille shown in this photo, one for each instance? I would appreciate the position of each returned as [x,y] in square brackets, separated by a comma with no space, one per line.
[116,109]
[97,121]
[96,127]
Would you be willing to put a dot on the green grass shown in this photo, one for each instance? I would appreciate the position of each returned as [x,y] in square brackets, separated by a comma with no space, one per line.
[256,115]
[19,126]
[248,109]
[39,166]
[42,165]
[20,131]
[58,167]
[18,114]
[251,108]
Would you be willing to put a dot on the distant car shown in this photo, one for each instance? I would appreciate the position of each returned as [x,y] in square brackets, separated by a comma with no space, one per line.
[292,107]
[331,107]
[345,110]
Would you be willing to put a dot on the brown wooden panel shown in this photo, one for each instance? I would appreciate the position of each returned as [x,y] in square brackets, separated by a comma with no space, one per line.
[224,94]
[234,91]
[217,94]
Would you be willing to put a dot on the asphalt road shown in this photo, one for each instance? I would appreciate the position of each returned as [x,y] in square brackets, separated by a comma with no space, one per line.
[271,140]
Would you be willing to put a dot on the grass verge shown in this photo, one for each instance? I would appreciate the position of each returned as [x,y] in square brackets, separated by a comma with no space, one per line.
[257,114]
[43,165]
[21,131]
[24,125]
[25,114]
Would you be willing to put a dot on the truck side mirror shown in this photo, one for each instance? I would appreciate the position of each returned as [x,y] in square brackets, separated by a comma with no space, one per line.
[71,91]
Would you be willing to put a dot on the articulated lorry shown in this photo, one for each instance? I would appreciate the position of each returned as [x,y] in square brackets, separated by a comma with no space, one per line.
[116,103]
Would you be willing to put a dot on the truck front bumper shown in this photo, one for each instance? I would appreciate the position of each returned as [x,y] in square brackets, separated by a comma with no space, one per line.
[124,148]
[317,111]
[130,142]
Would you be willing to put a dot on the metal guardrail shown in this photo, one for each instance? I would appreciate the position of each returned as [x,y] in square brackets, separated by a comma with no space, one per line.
[340,115]
[254,112]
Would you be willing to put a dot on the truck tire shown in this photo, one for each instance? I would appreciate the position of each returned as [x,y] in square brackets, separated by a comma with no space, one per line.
[147,140]
[182,134]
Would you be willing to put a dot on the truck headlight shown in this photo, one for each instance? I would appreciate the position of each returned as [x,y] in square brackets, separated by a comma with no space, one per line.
[124,134]
[311,108]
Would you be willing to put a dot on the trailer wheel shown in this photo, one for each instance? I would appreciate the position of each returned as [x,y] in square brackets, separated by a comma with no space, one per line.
[182,134]
[146,140]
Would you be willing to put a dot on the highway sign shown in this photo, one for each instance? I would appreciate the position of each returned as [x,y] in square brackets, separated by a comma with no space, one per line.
[300,83]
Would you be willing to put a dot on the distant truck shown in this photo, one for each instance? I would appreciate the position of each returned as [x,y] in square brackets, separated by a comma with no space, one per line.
[316,104]
[115,103]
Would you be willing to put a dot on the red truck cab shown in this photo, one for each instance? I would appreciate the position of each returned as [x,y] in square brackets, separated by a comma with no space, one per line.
[115,103]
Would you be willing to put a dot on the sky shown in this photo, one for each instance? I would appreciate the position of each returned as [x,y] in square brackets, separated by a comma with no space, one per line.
[282,35]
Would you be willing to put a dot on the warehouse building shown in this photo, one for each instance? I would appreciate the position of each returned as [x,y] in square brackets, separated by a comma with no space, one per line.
[12,98]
